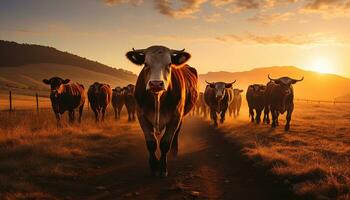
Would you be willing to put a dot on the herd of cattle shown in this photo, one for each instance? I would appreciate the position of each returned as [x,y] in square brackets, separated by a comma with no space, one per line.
[167,90]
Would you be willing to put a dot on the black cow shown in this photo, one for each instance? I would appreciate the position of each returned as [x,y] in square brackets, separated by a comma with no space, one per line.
[118,101]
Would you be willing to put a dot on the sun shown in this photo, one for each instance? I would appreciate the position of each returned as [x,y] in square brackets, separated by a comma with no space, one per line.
[322,65]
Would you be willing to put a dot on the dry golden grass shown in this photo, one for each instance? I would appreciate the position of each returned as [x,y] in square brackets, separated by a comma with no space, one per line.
[37,160]
[313,158]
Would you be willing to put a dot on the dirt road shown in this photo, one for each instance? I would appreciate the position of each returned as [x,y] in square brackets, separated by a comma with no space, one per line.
[116,167]
[207,168]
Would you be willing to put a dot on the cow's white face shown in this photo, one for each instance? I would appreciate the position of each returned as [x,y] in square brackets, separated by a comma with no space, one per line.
[158,62]
[220,89]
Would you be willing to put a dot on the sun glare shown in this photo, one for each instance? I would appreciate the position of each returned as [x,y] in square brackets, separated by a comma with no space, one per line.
[322,65]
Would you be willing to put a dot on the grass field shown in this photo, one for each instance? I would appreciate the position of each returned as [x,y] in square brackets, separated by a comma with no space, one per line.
[312,159]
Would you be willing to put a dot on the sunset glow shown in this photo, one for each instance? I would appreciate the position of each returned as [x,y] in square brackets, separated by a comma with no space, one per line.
[322,65]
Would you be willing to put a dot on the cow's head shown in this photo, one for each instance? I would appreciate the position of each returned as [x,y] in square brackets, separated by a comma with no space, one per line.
[95,88]
[237,92]
[258,89]
[285,83]
[129,90]
[118,90]
[158,62]
[220,88]
[56,85]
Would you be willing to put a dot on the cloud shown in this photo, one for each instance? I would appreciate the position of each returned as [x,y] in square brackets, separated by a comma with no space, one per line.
[264,18]
[185,10]
[243,5]
[117,2]
[328,8]
[299,39]
[213,17]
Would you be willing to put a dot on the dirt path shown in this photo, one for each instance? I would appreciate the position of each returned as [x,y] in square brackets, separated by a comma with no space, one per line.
[208,167]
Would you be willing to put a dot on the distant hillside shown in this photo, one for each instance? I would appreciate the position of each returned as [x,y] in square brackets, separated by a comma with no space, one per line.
[315,86]
[23,66]
[343,98]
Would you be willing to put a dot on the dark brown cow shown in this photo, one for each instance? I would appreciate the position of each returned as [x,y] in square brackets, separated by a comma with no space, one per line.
[166,91]
[66,96]
[118,101]
[235,106]
[218,96]
[256,101]
[100,96]
[280,98]
[130,102]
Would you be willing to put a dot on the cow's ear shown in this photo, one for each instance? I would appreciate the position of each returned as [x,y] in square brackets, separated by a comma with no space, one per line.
[66,81]
[138,58]
[180,58]
[277,81]
[47,82]
[212,85]
[294,81]
[241,91]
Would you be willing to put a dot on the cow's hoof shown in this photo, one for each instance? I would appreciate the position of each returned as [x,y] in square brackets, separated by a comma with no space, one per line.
[286,128]
[163,174]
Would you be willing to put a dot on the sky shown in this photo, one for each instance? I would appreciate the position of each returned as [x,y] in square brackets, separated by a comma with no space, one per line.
[221,35]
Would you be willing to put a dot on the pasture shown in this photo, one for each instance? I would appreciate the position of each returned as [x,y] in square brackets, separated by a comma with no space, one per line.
[237,160]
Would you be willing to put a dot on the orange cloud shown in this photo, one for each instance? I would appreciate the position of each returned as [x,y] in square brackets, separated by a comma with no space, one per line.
[264,18]
[116,2]
[328,8]
[186,10]
[299,39]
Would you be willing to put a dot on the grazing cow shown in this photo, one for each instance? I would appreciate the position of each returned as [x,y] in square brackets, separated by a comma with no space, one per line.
[100,96]
[130,102]
[66,96]
[218,96]
[256,101]
[235,106]
[117,101]
[166,91]
[280,98]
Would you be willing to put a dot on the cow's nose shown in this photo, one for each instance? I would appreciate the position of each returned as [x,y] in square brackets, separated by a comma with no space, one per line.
[219,96]
[156,86]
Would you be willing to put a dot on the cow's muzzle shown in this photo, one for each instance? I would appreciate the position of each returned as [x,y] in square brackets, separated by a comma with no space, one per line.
[156,86]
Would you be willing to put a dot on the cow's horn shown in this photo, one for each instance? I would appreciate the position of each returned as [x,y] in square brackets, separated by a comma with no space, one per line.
[299,79]
[138,50]
[177,51]
[207,82]
[233,82]
[271,78]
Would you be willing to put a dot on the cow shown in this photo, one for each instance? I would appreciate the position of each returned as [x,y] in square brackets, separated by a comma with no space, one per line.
[256,99]
[118,101]
[130,102]
[99,95]
[166,91]
[235,106]
[280,99]
[66,96]
[218,96]
[202,107]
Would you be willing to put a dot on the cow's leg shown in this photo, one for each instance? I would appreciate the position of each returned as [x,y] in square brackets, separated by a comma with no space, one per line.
[274,117]
[258,116]
[251,114]
[103,113]
[58,119]
[115,113]
[214,116]
[129,115]
[175,144]
[71,116]
[133,116]
[165,144]
[222,115]
[81,108]
[151,142]
[289,117]
[266,115]
[96,114]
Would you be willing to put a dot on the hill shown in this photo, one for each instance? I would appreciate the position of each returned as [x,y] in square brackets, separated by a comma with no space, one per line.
[23,66]
[315,85]
[343,98]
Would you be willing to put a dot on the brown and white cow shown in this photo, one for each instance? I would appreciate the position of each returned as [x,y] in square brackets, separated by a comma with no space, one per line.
[166,91]
[117,101]
[280,98]
[236,104]
[218,96]
[66,96]
[130,102]
[99,95]
[256,99]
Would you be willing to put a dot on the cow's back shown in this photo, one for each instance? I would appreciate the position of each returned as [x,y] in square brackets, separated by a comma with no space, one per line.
[72,96]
